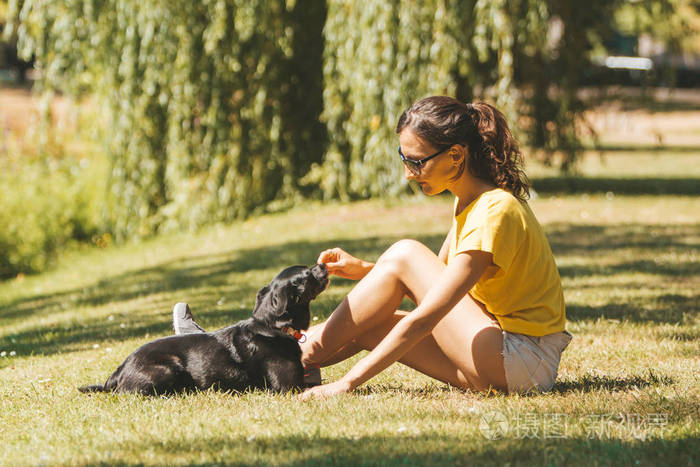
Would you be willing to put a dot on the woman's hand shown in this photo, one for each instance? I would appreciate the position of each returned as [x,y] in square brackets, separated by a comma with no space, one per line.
[326,390]
[343,264]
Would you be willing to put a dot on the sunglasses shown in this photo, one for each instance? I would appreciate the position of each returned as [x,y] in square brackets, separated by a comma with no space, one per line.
[416,166]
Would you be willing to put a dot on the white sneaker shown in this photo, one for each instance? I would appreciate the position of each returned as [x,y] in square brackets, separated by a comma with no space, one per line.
[182,320]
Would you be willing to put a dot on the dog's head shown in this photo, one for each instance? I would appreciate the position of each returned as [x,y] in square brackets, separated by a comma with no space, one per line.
[285,300]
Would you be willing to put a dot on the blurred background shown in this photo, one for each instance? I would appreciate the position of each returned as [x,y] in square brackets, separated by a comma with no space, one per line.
[122,119]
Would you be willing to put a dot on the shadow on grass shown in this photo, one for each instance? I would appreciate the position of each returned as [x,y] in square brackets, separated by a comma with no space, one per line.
[637,99]
[426,390]
[509,448]
[193,272]
[652,148]
[207,279]
[221,287]
[620,186]
[583,383]
[590,383]
[665,309]
[586,239]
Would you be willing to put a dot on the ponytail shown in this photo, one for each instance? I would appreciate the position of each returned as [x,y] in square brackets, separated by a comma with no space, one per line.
[497,156]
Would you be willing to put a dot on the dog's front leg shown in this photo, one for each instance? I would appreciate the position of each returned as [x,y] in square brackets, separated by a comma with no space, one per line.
[283,375]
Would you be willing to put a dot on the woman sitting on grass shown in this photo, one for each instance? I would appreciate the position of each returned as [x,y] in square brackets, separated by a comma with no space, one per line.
[490,308]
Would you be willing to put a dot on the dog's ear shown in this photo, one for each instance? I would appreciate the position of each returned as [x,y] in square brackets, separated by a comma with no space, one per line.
[278,296]
[261,295]
[271,303]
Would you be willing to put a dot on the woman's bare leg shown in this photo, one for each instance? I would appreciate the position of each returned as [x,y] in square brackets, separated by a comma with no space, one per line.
[342,354]
[464,349]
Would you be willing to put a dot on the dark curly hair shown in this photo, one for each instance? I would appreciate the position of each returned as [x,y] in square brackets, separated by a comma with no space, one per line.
[494,154]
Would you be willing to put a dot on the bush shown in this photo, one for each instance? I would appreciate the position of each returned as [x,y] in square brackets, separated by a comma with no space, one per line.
[46,205]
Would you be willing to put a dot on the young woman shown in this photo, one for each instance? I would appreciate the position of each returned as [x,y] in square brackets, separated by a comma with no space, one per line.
[490,308]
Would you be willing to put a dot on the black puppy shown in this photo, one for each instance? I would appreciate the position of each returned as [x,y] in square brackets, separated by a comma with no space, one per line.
[260,352]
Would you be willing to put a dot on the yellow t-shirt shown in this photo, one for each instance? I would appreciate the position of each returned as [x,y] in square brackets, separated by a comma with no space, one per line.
[523,291]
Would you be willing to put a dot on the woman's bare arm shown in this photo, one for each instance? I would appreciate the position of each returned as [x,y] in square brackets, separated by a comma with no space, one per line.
[445,248]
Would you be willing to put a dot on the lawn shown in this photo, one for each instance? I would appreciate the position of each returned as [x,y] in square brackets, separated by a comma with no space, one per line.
[626,237]
[628,391]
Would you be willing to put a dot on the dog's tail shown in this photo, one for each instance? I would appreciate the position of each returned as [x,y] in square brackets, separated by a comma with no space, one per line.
[109,386]
[93,388]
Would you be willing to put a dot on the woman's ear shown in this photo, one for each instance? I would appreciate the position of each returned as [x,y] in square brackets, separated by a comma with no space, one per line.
[459,153]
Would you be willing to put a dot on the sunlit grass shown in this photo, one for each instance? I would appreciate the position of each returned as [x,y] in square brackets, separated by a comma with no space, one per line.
[627,394]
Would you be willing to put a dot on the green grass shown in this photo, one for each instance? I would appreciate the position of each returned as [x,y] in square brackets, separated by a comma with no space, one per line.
[628,391]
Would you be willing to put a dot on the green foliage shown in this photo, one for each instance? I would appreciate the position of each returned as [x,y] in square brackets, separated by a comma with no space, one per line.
[218,108]
[44,207]
[552,69]
[526,56]
[674,23]
[209,114]
[555,44]
[381,56]
[52,182]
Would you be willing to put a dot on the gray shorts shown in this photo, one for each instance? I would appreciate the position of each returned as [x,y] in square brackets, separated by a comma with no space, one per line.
[531,363]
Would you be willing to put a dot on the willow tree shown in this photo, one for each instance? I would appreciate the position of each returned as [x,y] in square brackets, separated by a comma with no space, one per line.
[382,55]
[526,56]
[212,106]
